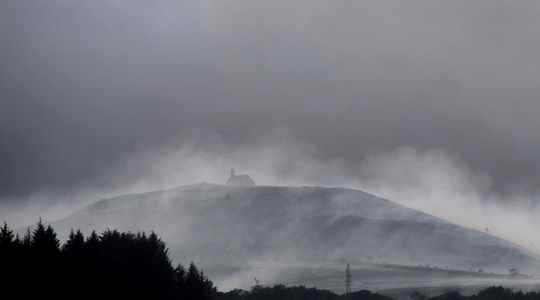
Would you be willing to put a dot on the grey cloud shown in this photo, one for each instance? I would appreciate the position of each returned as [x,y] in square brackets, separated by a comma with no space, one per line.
[85,84]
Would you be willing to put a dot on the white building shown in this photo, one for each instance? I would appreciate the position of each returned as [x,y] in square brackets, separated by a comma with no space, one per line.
[240,179]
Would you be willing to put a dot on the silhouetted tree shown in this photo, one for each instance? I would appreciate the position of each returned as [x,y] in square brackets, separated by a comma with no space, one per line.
[194,284]
[180,277]
[44,241]
[8,261]
[75,244]
[113,265]
[6,238]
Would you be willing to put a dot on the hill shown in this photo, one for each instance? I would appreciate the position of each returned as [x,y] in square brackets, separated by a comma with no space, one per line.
[301,235]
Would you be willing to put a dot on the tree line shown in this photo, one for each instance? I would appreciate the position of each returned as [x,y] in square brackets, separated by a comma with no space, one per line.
[110,265]
[282,292]
[492,293]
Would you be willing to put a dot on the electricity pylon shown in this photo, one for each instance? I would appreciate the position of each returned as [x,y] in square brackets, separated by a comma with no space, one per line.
[348,280]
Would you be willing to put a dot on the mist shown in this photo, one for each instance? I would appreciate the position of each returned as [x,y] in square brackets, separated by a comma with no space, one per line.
[430,180]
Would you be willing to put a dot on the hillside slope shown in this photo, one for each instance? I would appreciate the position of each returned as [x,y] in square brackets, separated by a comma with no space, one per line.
[233,229]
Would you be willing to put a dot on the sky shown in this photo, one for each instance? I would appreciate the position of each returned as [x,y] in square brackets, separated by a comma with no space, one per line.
[94,94]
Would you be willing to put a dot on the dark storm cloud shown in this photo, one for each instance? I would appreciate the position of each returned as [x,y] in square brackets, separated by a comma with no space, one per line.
[83,84]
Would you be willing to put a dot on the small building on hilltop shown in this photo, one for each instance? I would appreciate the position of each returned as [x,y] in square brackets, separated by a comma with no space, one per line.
[240,179]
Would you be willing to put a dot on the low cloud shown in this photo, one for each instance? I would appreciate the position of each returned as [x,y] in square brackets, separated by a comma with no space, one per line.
[432,180]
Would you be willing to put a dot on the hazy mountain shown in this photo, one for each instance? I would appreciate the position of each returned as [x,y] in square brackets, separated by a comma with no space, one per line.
[238,233]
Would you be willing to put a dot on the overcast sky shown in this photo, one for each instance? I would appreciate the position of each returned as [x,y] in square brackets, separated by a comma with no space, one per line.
[84,84]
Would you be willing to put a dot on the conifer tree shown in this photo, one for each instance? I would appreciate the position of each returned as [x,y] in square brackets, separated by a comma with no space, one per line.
[113,265]
[6,238]
[75,243]
[44,240]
